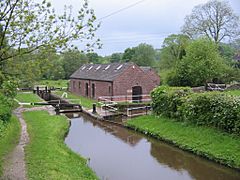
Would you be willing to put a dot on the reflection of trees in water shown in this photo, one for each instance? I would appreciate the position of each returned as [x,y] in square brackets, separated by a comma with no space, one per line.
[198,168]
[123,134]
[170,156]
[129,137]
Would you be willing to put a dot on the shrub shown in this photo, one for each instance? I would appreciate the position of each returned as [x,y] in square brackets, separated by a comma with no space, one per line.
[212,109]
[166,100]
[5,109]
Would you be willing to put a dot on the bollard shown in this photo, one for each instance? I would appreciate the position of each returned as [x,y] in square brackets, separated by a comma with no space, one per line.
[94,110]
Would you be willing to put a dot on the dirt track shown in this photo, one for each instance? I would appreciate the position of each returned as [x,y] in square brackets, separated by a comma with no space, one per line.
[14,164]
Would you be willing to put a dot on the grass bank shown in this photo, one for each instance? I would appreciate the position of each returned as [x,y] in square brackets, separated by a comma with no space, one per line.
[207,142]
[47,156]
[85,102]
[233,92]
[28,98]
[9,136]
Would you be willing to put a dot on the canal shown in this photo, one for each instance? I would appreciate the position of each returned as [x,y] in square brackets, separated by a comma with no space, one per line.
[116,153]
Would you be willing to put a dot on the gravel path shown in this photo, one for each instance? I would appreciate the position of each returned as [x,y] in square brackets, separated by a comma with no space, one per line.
[14,165]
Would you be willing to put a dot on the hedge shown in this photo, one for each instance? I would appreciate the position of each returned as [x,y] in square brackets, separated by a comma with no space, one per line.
[166,100]
[213,109]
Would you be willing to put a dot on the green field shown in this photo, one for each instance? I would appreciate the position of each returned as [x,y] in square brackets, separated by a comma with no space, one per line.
[233,92]
[85,102]
[28,98]
[9,136]
[53,83]
[47,156]
[203,141]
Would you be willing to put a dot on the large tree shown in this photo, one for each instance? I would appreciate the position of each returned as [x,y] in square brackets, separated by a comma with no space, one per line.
[31,25]
[215,19]
[202,63]
[173,49]
[142,55]
[72,60]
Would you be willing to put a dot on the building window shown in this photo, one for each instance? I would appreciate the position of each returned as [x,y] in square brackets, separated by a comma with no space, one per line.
[79,85]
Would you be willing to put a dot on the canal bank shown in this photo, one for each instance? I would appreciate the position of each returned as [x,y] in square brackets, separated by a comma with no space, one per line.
[213,145]
[115,152]
[202,141]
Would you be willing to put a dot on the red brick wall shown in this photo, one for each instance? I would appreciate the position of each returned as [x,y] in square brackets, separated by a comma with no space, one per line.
[122,85]
[134,76]
[101,88]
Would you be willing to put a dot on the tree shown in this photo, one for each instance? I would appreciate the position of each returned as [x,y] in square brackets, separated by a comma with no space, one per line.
[72,60]
[215,20]
[93,58]
[128,54]
[116,57]
[142,55]
[173,49]
[202,63]
[31,25]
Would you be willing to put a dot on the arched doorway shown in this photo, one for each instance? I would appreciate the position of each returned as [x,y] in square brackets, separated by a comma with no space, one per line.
[137,94]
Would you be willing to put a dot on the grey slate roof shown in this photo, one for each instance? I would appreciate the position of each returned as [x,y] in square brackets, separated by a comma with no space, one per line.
[100,72]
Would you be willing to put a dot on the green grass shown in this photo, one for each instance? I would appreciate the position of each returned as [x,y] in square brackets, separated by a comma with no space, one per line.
[85,102]
[53,83]
[47,156]
[28,98]
[207,142]
[9,136]
[233,92]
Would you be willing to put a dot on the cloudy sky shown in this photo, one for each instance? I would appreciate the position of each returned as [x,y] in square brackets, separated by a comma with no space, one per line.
[131,22]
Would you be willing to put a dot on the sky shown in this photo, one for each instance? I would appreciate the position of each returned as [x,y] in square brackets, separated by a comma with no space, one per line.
[139,21]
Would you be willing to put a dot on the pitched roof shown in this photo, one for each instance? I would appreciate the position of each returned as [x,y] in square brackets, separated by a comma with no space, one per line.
[101,72]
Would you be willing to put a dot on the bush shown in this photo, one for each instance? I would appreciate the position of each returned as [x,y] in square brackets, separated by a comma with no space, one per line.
[5,109]
[166,100]
[212,109]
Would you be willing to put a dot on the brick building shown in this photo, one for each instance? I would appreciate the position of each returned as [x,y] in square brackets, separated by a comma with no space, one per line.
[127,79]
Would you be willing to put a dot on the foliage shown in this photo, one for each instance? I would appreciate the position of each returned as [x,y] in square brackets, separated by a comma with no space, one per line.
[53,83]
[142,55]
[173,49]
[213,109]
[72,60]
[202,63]
[27,25]
[5,108]
[217,110]
[116,57]
[9,88]
[215,20]
[203,141]
[47,156]
[166,100]
[9,135]
[128,54]
[93,58]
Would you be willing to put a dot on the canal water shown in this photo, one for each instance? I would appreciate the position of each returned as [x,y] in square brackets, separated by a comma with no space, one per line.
[116,153]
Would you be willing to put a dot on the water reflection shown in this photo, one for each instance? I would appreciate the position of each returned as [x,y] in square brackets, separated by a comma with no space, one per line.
[118,153]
